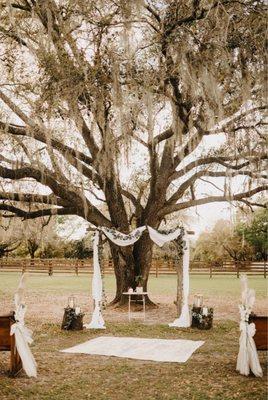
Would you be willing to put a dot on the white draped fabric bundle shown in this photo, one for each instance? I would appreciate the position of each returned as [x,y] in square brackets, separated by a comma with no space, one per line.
[122,239]
[184,320]
[97,321]
[23,337]
[247,359]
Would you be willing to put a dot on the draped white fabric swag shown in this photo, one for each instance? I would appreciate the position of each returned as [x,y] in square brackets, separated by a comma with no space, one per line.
[161,238]
[122,239]
[184,320]
[247,359]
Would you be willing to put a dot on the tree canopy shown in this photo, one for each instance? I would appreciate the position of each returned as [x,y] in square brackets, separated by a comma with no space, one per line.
[95,94]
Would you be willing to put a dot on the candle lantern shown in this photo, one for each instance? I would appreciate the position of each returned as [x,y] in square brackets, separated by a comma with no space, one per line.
[198,300]
[73,317]
[71,302]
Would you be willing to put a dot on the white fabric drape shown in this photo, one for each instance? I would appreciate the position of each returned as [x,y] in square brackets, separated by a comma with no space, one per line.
[97,321]
[23,337]
[160,239]
[122,239]
[247,359]
[184,320]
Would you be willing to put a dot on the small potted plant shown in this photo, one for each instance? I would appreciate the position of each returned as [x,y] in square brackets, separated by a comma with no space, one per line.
[139,282]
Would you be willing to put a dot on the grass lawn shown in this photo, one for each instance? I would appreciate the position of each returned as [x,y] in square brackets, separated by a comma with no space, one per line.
[163,285]
[208,374]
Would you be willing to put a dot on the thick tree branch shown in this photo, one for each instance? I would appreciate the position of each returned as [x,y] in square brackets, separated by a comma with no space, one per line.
[33,198]
[163,136]
[231,122]
[13,36]
[215,174]
[82,205]
[38,135]
[195,138]
[38,213]
[221,160]
[211,199]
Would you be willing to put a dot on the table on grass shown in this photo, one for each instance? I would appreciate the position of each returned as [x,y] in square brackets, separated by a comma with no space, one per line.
[129,294]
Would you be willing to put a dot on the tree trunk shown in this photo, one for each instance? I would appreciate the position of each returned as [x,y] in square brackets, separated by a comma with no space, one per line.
[129,262]
[124,268]
[143,253]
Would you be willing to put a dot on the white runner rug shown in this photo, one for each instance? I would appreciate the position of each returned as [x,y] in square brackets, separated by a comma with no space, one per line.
[178,350]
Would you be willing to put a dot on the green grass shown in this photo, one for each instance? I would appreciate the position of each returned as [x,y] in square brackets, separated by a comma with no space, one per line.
[163,285]
[208,374]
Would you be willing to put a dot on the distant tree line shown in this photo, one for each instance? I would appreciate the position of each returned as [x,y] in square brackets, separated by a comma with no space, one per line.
[244,240]
[40,238]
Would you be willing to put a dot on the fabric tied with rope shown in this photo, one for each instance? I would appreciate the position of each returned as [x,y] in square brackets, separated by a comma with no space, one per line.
[184,320]
[247,359]
[23,337]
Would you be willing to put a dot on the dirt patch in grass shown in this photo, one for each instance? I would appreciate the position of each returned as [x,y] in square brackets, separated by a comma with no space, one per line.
[49,307]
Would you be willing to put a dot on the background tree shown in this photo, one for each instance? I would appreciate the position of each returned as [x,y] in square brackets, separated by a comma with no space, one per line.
[10,237]
[38,233]
[32,238]
[93,90]
[254,230]
[222,243]
[79,249]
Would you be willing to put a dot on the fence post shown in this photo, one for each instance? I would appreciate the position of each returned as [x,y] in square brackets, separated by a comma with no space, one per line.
[264,270]
[237,270]
[210,271]
[50,268]
[23,266]
[32,264]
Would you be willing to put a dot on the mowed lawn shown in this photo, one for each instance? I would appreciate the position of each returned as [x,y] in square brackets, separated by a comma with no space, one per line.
[163,285]
[208,374]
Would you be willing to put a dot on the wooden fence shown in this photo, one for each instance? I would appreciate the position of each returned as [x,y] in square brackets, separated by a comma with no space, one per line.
[159,267]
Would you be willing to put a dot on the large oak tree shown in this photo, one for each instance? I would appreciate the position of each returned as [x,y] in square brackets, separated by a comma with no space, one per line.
[90,88]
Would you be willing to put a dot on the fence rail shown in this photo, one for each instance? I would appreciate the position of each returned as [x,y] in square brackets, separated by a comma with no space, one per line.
[159,267]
